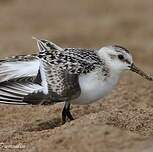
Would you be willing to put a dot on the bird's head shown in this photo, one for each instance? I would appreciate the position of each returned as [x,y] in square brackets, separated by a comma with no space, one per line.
[119,59]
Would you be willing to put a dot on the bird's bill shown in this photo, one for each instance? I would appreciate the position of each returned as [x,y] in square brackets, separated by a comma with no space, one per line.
[137,70]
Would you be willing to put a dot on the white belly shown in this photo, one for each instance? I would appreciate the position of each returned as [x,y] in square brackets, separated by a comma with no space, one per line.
[93,87]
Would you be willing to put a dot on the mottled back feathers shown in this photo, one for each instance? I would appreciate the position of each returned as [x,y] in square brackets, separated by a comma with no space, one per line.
[63,67]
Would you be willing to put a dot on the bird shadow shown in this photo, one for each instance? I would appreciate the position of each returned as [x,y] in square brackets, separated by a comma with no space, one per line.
[40,125]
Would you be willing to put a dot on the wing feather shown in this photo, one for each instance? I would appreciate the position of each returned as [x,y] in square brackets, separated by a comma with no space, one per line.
[13,68]
[74,60]
[16,93]
[61,85]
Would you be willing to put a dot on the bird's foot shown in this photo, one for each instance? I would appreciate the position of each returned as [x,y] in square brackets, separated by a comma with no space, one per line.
[66,113]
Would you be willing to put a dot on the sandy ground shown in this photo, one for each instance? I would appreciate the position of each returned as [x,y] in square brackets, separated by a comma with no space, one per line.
[123,121]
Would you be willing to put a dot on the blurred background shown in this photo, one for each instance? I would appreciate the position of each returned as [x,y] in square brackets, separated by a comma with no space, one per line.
[124,120]
[71,23]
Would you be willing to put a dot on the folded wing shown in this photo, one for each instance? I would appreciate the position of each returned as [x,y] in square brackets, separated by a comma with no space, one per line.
[60,85]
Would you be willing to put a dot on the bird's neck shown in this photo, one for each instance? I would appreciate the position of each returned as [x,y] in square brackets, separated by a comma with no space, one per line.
[109,66]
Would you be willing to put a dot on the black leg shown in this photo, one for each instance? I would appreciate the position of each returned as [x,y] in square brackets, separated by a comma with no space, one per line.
[66,112]
[64,115]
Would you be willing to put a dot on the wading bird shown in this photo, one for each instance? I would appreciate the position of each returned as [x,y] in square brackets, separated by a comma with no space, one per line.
[70,75]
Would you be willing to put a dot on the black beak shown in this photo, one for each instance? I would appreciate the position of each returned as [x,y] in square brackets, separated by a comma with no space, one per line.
[140,72]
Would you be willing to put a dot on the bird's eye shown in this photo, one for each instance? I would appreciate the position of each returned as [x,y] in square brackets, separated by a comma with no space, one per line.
[121,57]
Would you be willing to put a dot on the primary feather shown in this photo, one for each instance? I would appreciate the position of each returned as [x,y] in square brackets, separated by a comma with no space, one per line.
[18,66]
[22,80]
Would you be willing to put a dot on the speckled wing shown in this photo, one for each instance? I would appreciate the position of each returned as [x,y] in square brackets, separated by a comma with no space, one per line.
[61,85]
[74,60]
[62,67]
[18,66]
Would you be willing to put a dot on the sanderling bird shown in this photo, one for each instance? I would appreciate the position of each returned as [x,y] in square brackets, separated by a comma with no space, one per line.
[70,75]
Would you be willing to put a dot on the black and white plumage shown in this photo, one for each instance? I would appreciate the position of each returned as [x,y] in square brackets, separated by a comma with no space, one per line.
[63,67]
[18,66]
[22,72]
[70,75]
[19,83]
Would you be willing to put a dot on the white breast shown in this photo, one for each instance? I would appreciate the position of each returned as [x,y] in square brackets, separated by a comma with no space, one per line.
[93,87]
